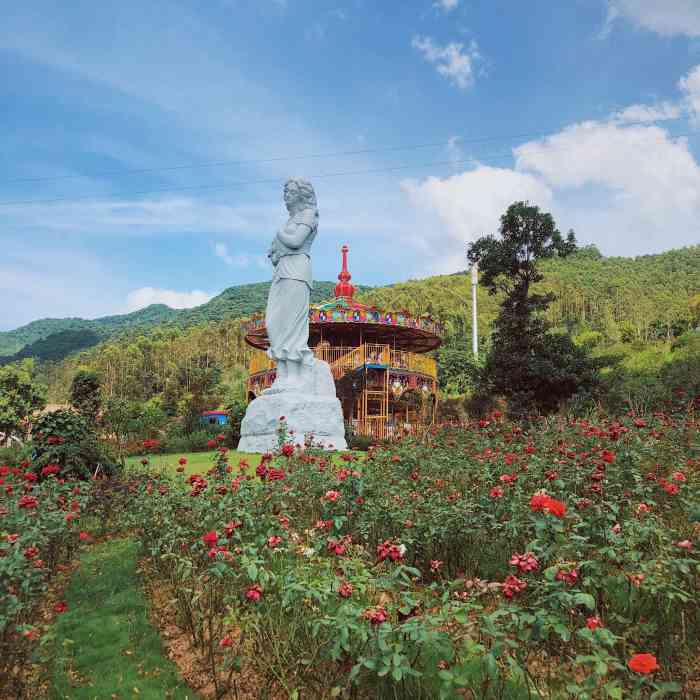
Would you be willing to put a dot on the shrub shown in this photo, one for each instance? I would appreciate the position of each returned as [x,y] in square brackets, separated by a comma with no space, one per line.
[64,438]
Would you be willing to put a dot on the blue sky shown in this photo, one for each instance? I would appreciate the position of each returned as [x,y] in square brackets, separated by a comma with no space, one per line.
[145,144]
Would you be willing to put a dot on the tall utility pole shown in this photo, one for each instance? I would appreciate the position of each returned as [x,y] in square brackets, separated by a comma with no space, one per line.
[475,334]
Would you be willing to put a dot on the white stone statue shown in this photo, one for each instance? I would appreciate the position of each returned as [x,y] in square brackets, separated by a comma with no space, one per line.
[304,390]
[287,315]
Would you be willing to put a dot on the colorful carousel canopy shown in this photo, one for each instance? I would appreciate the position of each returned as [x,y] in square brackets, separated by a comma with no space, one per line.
[342,321]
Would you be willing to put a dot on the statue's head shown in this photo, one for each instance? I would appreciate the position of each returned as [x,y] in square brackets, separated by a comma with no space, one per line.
[299,194]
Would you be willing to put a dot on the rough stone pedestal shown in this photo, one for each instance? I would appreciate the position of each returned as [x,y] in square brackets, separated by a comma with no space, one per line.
[312,409]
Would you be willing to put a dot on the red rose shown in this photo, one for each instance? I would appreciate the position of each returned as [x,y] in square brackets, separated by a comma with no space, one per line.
[211,444]
[345,589]
[226,642]
[376,616]
[50,469]
[593,623]
[61,607]
[643,663]
[28,502]
[556,508]
[210,539]
[182,461]
[254,593]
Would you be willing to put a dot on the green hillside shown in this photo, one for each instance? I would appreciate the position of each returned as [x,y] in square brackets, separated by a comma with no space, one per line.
[644,298]
[55,338]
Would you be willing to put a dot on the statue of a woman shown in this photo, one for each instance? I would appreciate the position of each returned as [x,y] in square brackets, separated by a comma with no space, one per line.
[287,315]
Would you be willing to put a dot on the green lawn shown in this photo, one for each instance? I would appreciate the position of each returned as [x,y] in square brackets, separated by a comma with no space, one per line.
[201,462]
[197,462]
[106,646]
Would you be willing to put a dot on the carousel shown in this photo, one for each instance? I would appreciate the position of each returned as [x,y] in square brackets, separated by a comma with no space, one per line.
[386,382]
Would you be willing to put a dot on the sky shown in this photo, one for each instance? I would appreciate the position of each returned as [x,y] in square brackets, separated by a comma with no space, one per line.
[145,144]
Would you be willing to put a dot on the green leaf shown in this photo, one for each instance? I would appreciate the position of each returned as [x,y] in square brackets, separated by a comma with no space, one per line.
[585,599]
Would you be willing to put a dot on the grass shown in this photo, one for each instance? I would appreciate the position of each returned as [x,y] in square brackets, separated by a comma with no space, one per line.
[201,462]
[106,646]
[197,462]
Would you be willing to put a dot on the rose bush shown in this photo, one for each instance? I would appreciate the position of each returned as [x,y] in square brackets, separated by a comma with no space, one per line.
[39,532]
[497,558]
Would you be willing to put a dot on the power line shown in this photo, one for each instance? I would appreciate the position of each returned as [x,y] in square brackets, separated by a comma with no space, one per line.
[242,183]
[313,156]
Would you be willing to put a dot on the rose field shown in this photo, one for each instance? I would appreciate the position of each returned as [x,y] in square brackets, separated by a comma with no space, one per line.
[494,560]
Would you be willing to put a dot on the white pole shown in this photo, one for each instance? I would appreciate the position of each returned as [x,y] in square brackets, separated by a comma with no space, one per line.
[475,334]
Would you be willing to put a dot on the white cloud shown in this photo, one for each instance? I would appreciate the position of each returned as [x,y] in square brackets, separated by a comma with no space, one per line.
[452,61]
[238,260]
[690,85]
[145,296]
[446,5]
[649,113]
[630,189]
[468,205]
[665,17]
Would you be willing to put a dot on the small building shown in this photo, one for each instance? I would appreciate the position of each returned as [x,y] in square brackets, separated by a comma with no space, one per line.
[214,418]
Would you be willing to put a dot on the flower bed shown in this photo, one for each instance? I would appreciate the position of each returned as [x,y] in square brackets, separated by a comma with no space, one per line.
[39,532]
[501,560]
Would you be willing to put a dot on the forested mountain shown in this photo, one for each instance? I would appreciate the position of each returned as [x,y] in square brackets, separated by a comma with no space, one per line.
[55,338]
[601,300]
[645,298]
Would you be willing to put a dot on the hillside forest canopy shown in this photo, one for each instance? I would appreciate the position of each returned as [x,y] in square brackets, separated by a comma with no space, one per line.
[641,312]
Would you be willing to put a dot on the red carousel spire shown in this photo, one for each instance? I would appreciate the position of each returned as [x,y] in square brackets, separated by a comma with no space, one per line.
[344,288]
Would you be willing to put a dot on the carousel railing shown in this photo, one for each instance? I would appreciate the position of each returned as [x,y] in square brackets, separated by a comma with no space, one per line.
[379,428]
[345,359]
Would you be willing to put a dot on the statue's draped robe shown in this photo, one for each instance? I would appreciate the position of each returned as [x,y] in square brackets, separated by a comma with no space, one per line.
[287,315]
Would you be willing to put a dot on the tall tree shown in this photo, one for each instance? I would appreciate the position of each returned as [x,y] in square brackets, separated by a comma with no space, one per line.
[531,367]
[20,396]
[85,394]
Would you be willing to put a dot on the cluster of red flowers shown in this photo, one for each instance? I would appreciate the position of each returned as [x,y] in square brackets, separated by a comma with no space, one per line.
[28,502]
[668,487]
[345,589]
[288,449]
[338,547]
[390,550]
[254,593]
[525,562]
[594,622]
[213,443]
[513,585]
[376,615]
[568,577]
[275,474]
[541,502]
[151,444]
[50,469]
[198,484]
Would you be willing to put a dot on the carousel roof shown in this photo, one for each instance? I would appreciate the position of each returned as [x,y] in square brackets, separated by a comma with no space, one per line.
[345,321]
